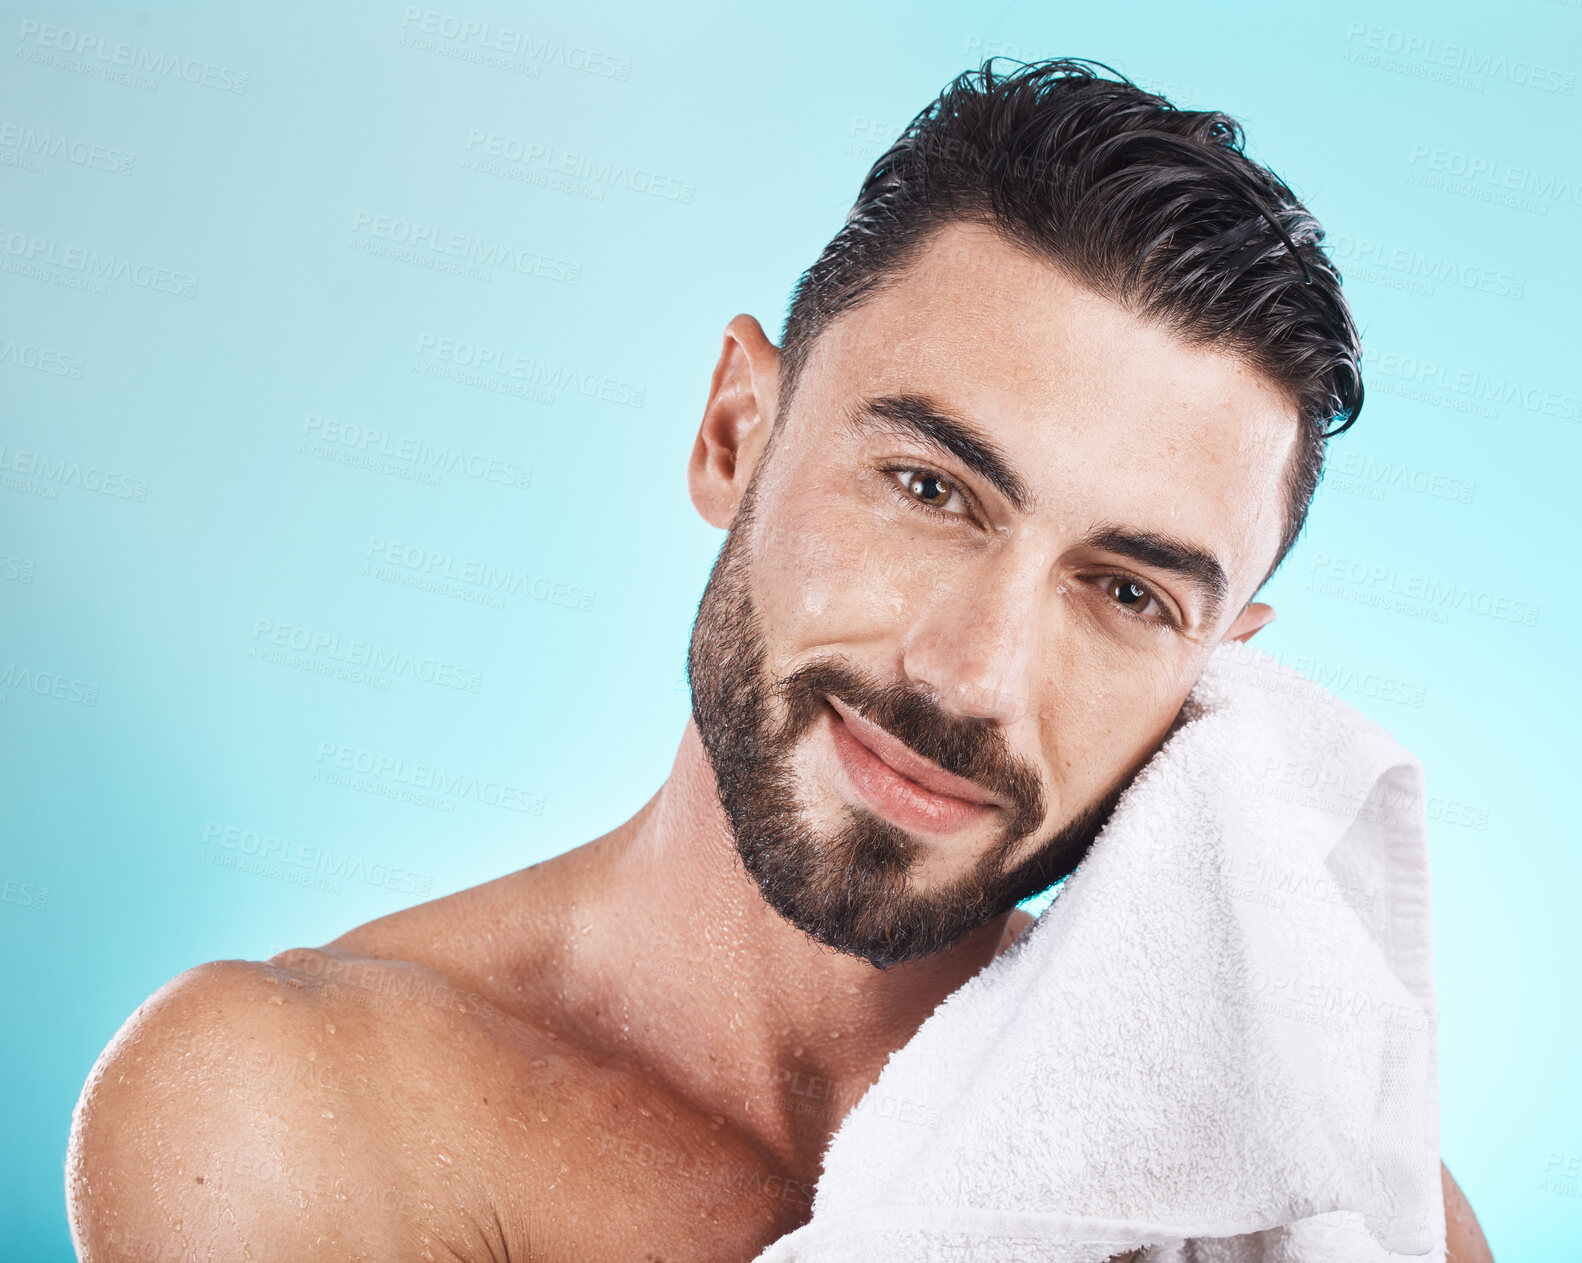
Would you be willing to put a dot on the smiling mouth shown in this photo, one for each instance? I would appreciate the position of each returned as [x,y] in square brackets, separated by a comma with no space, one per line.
[899,784]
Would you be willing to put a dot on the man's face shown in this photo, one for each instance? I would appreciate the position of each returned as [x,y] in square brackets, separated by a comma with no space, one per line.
[999,531]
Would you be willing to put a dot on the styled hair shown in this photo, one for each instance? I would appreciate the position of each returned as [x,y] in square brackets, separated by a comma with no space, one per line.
[1154,207]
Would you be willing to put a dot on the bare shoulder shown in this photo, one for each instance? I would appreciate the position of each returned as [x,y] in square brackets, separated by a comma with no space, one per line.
[1464,1239]
[276,1110]
[332,1105]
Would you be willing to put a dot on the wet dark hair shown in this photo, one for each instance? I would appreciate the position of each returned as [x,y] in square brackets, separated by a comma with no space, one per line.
[1154,207]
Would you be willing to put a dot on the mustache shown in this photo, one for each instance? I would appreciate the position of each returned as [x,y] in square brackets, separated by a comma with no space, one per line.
[974,749]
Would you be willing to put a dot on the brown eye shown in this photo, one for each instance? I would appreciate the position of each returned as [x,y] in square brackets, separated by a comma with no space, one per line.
[927,488]
[1135,597]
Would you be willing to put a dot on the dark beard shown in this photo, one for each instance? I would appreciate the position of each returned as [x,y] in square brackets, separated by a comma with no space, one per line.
[851,890]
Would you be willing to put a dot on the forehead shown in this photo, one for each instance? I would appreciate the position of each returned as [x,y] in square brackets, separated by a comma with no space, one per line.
[1105,416]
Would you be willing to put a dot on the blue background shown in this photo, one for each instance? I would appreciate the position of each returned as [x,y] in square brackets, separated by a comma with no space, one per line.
[151,726]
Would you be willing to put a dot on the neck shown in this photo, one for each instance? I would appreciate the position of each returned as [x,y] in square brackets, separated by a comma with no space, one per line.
[683,965]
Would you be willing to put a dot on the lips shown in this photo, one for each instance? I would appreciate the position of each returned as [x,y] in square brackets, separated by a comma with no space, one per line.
[901,785]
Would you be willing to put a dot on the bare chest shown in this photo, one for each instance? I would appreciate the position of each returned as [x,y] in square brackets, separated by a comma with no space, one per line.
[580,1161]
[621,1179]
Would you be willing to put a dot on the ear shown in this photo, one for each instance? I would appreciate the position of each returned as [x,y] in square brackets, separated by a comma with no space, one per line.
[1256,615]
[743,396]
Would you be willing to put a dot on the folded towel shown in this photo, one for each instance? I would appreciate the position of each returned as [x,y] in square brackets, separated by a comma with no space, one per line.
[1218,1043]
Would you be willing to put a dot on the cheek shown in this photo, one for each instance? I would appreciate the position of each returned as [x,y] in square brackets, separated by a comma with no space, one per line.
[830,585]
[844,573]
[1103,706]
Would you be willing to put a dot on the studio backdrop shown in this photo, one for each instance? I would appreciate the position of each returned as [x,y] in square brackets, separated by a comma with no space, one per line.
[351,355]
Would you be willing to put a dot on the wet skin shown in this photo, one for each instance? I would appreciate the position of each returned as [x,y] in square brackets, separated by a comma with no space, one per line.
[624,1053]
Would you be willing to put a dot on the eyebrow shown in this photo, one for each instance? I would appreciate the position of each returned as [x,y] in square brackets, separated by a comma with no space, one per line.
[1199,567]
[920,418]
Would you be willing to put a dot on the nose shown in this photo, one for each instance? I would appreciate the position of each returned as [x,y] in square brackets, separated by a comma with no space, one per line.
[974,640]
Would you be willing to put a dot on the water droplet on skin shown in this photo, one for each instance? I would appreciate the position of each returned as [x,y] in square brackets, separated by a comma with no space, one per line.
[330,1027]
[444,1157]
[543,1118]
[716,1120]
[538,1062]
[275,999]
[644,1113]
[329,1113]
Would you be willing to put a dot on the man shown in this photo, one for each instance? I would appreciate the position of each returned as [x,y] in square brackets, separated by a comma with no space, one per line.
[1047,413]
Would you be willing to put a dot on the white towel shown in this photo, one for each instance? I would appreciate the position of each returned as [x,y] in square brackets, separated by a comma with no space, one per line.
[1219,1042]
